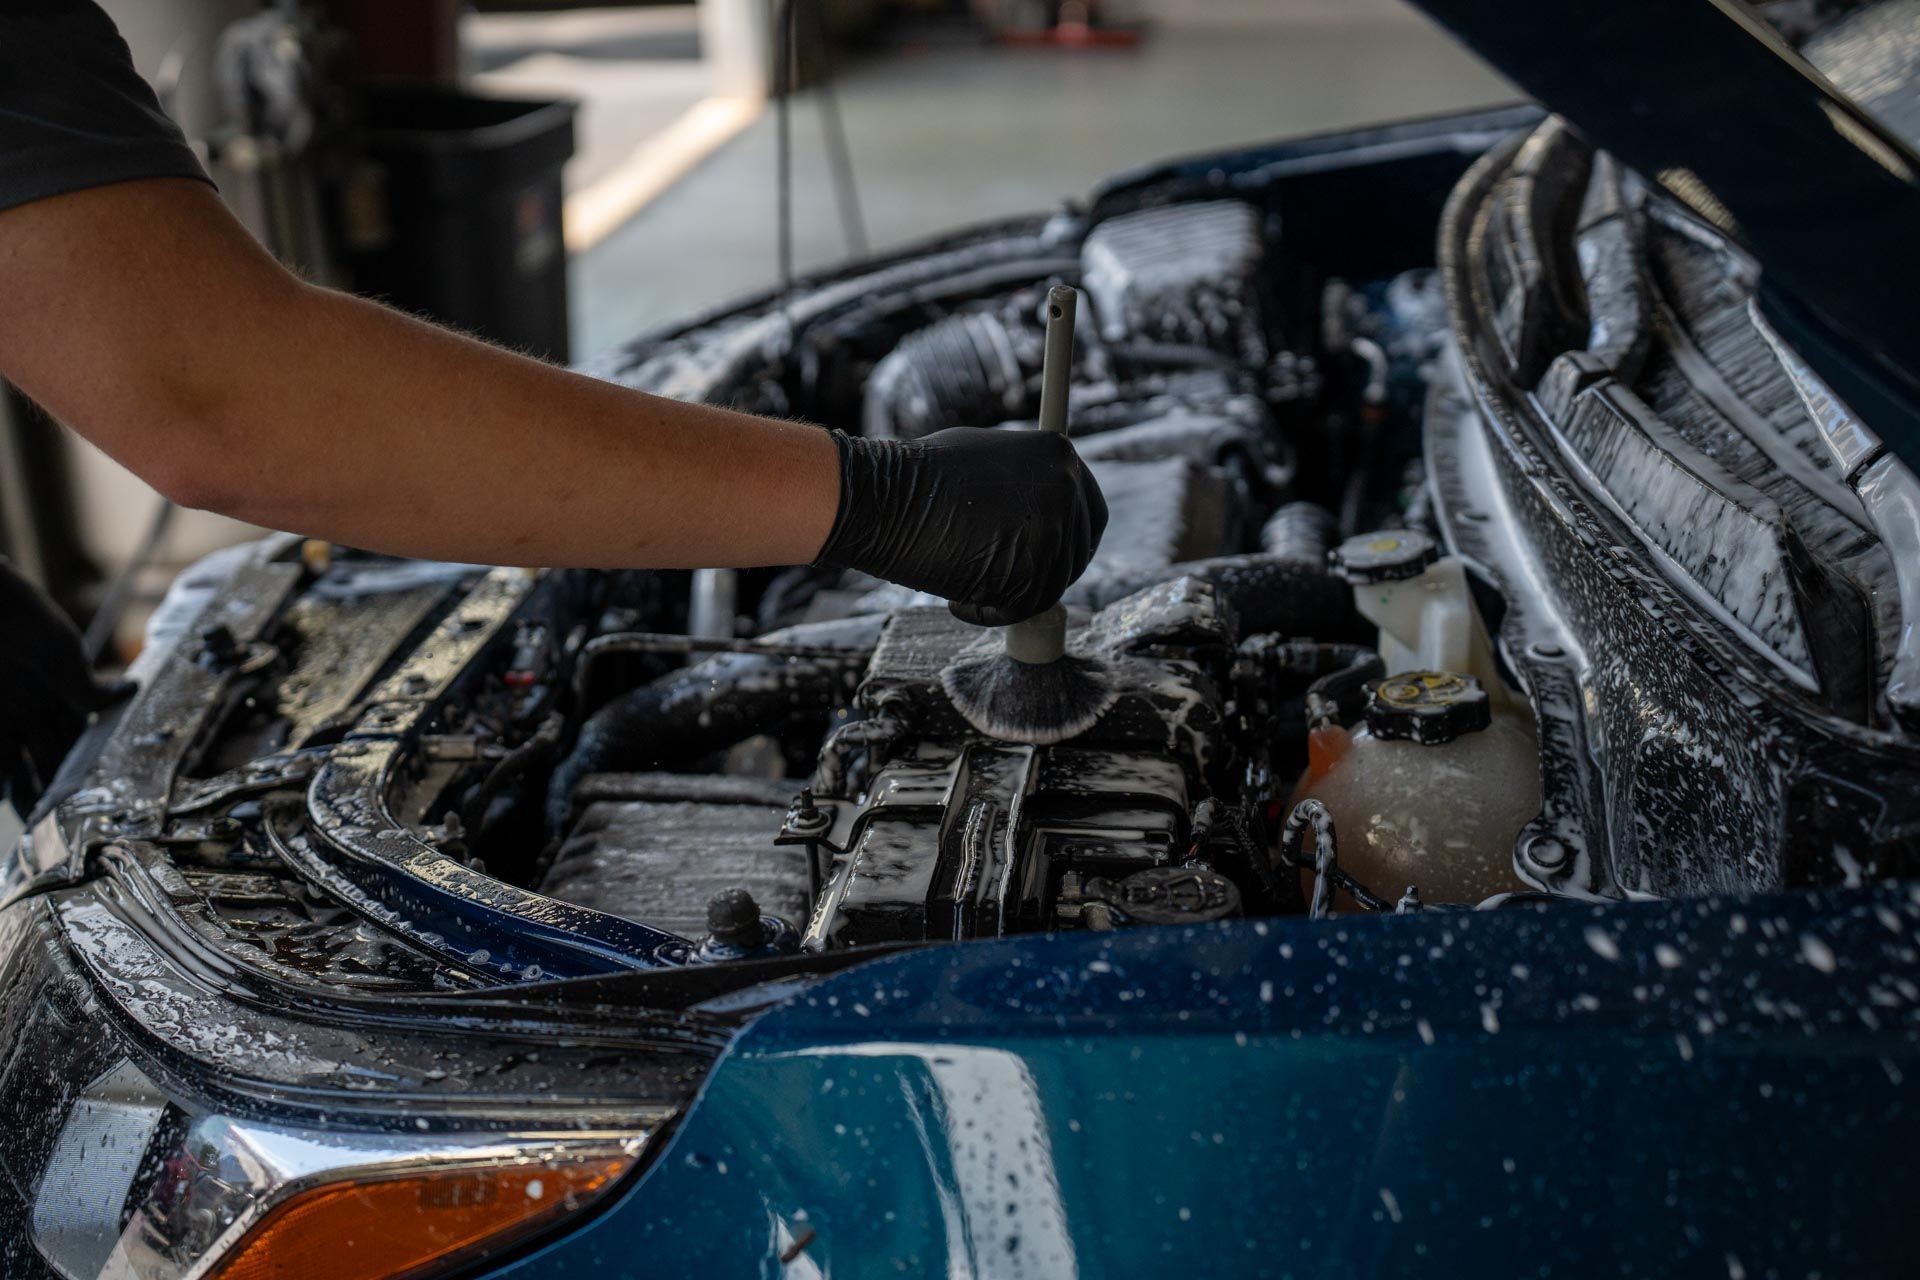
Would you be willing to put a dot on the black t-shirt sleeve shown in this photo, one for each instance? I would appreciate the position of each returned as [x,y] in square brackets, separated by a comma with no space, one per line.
[73,111]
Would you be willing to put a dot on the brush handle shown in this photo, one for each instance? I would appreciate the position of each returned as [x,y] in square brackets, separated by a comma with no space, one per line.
[1043,638]
[1056,362]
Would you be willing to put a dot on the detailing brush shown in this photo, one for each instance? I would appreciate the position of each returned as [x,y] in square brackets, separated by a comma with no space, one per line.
[1033,690]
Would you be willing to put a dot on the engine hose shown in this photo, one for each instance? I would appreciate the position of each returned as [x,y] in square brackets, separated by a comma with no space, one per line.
[1269,593]
[1311,815]
[713,704]
[968,369]
[652,642]
[542,743]
[1339,673]
[1173,355]
[1302,530]
[1339,696]
[877,737]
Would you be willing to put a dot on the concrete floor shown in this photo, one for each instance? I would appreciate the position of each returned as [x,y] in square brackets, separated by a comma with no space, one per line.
[947,135]
[632,72]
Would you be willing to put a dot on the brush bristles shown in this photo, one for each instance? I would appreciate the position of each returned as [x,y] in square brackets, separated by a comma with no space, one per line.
[1036,703]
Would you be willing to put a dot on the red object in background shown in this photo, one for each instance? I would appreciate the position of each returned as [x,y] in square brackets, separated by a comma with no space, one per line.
[1326,745]
[1076,24]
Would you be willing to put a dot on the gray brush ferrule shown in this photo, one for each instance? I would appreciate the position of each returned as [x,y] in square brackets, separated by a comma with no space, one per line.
[1040,639]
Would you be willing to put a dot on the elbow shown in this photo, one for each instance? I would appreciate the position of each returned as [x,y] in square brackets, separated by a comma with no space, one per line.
[206,446]
[180,453]
[207,477]
[186,478]
[196,462]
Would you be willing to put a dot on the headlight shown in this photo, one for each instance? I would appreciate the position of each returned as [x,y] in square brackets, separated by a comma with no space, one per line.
[138,1189]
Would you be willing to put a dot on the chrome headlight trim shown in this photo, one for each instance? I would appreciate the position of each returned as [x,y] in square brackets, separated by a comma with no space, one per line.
[189,1187]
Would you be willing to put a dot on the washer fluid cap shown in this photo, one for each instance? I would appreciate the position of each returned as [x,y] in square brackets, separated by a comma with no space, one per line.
[1428,707]
[1389,555]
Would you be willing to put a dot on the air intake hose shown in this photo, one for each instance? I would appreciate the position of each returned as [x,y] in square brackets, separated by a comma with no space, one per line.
[1286,589]
[703,708]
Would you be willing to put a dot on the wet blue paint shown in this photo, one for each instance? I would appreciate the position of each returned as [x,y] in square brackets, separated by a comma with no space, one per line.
[1712,1088]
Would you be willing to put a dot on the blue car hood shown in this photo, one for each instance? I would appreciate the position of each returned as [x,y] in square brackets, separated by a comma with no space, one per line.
[1642,1088]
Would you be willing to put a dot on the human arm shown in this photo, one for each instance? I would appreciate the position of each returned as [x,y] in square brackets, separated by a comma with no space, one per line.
[141,313]
[143,316]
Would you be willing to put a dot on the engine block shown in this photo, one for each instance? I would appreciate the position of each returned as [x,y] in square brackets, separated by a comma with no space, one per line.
[937,832]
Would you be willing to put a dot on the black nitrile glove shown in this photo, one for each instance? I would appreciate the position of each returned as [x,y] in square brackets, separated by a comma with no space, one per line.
[997,522]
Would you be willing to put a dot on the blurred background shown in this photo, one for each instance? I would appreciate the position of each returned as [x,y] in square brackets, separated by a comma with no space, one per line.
[563,177]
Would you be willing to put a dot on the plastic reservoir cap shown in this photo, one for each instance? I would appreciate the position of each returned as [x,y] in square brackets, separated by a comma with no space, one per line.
[1428,707]
[1390,555]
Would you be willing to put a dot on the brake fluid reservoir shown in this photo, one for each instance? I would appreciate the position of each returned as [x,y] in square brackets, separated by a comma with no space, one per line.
[1430,791]
[1420,600]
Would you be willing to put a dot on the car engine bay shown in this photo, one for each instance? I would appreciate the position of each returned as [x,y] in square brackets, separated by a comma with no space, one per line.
[1525,577]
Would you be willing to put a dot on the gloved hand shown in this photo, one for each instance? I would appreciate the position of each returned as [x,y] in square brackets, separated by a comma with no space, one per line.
[997,522]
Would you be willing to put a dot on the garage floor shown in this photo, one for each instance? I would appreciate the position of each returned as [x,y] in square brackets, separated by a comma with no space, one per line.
[633,72]
[944,136]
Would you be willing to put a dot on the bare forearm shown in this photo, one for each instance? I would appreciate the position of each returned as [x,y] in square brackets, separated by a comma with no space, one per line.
[407,438]
[144,317]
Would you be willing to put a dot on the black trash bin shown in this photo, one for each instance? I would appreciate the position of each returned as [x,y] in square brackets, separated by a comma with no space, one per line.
[464,220]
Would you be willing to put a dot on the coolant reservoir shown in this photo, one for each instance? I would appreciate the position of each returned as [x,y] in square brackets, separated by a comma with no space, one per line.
[1430,791]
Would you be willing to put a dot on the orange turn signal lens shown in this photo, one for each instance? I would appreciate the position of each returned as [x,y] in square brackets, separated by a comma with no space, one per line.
[414,1223]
